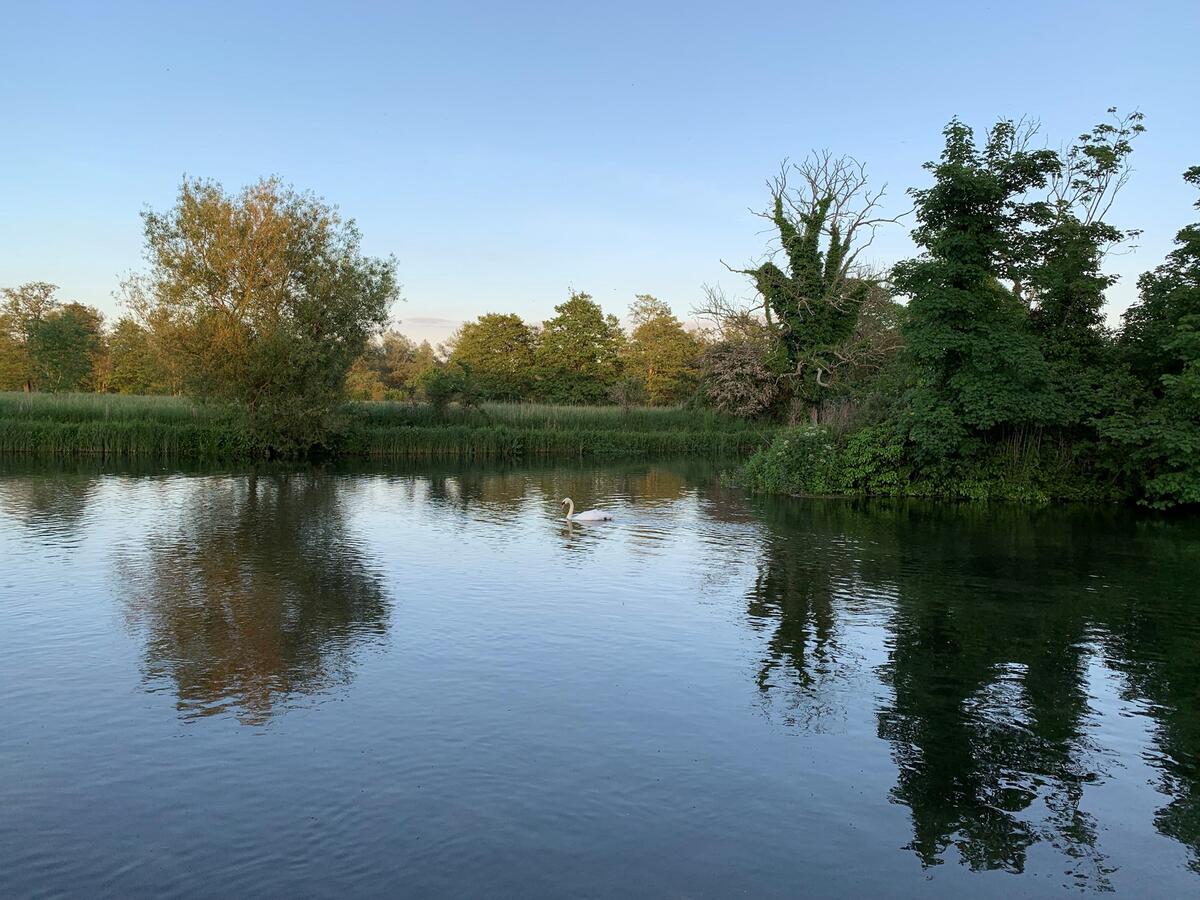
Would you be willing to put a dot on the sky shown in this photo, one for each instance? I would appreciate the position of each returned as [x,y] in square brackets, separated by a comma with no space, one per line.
[506,153]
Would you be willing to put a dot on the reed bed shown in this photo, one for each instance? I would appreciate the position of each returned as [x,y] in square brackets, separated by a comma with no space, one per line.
[170,428]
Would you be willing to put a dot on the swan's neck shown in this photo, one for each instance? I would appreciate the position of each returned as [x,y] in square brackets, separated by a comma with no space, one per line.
[570,507]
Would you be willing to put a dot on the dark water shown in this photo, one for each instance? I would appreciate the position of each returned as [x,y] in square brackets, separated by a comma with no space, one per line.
[426,684]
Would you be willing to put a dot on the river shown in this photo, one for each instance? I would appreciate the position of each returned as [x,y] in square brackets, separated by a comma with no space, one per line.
[421,681]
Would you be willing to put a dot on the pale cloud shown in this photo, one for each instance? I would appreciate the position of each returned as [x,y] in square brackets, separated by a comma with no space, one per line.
[434,329]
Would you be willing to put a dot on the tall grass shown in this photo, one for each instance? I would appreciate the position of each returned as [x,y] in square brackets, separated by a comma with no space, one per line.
[112,408]
[177,428]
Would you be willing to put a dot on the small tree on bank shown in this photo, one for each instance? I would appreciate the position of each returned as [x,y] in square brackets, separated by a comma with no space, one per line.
[264,299]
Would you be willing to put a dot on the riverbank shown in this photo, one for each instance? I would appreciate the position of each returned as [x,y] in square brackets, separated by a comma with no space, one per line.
[177,428]
[814,461]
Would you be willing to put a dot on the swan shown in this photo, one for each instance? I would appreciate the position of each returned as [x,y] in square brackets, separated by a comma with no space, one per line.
[588,515]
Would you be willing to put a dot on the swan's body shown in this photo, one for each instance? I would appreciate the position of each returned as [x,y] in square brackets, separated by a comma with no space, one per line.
[588,515]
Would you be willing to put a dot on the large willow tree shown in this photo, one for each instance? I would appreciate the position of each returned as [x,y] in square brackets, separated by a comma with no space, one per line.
[263,298]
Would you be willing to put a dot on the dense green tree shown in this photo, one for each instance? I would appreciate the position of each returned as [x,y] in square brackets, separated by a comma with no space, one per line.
[977,364]
[266,300]
[1161,339]
[661,353]
[14,358]
[62,347]
[424,360]
[1066,281]
[498,349]
[23,308]
[578,358]
[134,367]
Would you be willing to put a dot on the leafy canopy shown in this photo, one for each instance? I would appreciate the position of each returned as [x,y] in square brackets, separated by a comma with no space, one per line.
[265,299]
[578,358]
[977,365]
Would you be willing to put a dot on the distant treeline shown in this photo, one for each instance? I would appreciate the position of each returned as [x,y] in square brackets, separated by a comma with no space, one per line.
[981,368]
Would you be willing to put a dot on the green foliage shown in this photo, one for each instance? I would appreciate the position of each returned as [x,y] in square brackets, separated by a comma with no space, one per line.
[977,364]
[62,345]
[1160,440]
[875,461]
[453,382]
[44,343]
[266,300]
[578,358]
[1066,281]
[628,392]
[813,305]
[178,428]
[391,367]
[802,460]
[498,350]
[134,365]
[815,302]
[661,353]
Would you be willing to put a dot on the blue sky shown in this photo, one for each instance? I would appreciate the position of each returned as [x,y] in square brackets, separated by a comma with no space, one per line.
[507,152]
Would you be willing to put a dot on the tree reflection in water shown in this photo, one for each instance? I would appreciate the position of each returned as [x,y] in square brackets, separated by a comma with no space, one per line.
[802,581]
[259,596]
[50,500]
[994,617]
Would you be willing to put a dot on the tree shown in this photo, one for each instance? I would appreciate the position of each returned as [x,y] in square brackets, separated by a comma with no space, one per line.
[23,308]
[738,378]
[978,366]
[498,349]
[579,356]
[14,360]
[424,360]
[134,367]
[1161,340]
[1066,284]
[389,368]
[363,381]
[628,392]
[265,299]
[62,346]
[661,353]
[450,381]
[814,305]
[398,359]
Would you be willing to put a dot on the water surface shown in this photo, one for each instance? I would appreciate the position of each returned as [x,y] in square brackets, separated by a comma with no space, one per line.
[423,682]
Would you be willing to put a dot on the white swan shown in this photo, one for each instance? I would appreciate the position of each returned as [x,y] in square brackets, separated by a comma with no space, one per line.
[588,515]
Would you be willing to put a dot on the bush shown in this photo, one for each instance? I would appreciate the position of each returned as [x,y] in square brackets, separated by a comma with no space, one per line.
[803,460]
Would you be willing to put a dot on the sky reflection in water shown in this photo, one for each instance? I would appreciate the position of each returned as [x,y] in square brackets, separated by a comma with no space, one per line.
[426,681]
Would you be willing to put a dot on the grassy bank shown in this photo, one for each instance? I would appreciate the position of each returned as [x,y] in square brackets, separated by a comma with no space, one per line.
[118,426]
[818,461]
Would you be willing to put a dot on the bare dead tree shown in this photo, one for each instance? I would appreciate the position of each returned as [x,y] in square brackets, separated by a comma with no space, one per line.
[838,186]
[824,214]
